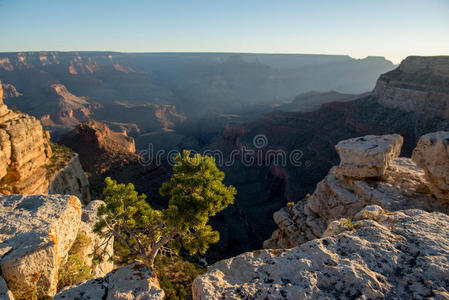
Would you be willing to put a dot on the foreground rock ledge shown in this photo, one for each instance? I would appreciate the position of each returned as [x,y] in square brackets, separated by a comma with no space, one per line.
[36,233]
[126,283]
[405,259]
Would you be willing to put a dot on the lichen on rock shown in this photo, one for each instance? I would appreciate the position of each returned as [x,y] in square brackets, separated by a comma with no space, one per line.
[36,234]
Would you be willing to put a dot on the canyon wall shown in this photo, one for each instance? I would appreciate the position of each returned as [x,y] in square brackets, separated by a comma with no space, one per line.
[28,165]
[419,84]
[36,239]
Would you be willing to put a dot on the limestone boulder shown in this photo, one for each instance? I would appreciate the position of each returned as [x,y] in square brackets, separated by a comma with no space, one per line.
[36,233]
[134,281]
[368,156]
[97,243]
[406,260]
[432,154]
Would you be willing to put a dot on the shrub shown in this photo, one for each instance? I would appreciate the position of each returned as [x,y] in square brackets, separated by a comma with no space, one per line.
[74,270]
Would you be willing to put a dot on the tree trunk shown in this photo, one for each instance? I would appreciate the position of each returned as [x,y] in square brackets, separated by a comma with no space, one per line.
[156,247]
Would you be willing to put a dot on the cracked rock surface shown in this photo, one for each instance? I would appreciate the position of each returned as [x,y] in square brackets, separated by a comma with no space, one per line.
[404,259]
[126,283]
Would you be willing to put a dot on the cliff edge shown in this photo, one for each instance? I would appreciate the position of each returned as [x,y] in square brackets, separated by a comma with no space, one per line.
[28,164]
[420,84]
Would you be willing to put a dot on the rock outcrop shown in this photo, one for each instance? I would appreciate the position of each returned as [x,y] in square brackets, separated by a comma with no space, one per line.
[104,152]
[130,282]
[28,165]
[36,233]
[25,150]
[419,84]
[402,185]
[36,236]
[368,156]
[432,154]
[404,255]
[10,91]
[361,234]
[94,139]
[88,219]
[70,180]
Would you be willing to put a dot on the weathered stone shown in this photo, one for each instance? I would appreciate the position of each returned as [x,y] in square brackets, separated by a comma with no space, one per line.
[404,186]
[419,84]
[25,165]
[432,154]
[36,233]
[408,259]
[368,156]
[134,281]
[88,219]
[71,180]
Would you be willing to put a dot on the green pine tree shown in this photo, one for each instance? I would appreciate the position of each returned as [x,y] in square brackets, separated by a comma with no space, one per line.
[196,193]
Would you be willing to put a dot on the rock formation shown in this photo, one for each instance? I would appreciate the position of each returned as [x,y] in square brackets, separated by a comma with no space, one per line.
[25,152]
[94,139]
[70,180]
[374,227]
[88,219]
[36,235]
[65,108]
[368,156]
[432,154]
[27,163]
[10,91]
[104,153]
[127,283]
[403,255]
[343,192]
[419,84]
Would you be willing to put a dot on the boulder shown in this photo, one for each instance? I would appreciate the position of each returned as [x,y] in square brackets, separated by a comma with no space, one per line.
[134,281]
[88,219]
[432,154]
[36,233]
[368,156]
[404,259]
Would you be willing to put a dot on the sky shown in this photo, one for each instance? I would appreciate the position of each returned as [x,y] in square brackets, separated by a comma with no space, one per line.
[390,28]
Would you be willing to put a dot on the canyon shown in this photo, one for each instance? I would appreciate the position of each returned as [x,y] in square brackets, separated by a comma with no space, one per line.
[290,124]
[266,188]
[352,214]
[65,88]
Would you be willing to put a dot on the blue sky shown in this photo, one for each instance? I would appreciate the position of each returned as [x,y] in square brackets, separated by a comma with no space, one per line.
[390,28]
